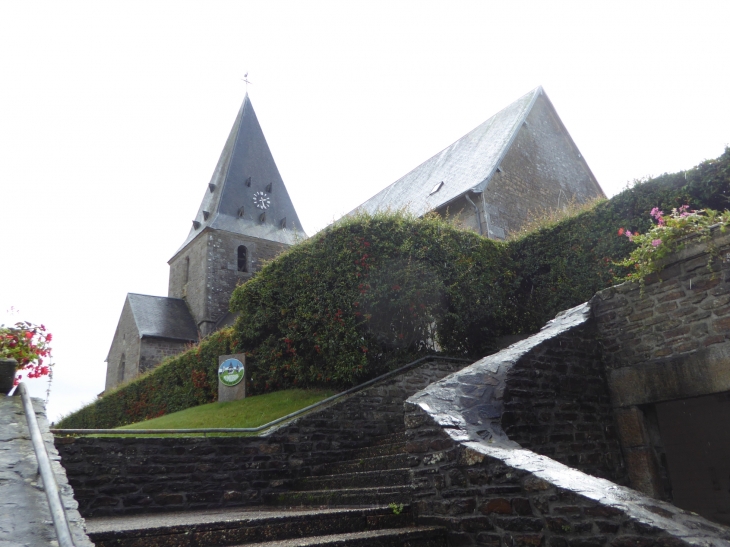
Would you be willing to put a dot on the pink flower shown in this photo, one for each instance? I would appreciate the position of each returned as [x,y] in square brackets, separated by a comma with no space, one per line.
[656,242]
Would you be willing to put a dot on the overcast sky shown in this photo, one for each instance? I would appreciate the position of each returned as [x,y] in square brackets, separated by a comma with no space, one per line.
[113,115]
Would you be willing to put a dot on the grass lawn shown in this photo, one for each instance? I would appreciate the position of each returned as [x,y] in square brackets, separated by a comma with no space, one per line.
[249,412]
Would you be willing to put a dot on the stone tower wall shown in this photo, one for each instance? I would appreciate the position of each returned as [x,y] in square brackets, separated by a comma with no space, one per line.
[213,272]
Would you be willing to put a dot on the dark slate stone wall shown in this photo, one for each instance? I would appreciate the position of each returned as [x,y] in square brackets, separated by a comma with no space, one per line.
[113,476]
[556,403]
[546,393]
[663,342]
[486,493]
[669,341]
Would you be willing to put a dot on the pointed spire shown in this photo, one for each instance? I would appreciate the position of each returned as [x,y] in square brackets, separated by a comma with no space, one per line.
[239,196]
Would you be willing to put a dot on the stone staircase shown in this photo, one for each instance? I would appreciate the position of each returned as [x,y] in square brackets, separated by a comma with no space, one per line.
[363,500]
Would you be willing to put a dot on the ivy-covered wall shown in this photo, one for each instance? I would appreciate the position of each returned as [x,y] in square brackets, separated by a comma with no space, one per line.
[371,292]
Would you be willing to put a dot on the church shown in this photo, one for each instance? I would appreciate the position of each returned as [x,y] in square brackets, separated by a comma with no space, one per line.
[519,162]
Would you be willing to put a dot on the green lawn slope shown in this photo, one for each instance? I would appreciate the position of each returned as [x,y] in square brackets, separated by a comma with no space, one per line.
[249,412]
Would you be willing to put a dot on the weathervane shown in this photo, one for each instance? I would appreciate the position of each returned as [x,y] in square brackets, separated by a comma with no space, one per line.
[245,79]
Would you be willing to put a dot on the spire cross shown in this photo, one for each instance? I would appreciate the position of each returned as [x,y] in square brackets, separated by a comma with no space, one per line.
[245,79]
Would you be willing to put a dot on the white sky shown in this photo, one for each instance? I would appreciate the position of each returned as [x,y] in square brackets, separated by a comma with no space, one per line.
[113,114]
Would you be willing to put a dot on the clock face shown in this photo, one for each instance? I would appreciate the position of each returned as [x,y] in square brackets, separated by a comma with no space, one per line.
[261,200]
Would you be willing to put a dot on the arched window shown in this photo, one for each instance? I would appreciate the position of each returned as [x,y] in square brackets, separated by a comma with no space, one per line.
[242,258]
[120,371]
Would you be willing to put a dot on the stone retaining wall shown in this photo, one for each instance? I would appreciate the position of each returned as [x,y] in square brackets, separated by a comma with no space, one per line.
[666,342]
[489,494]
[25,517]
[126,475]
[474,478]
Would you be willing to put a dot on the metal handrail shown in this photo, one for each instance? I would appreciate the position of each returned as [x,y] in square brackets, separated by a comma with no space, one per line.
[261,427]
[50,486]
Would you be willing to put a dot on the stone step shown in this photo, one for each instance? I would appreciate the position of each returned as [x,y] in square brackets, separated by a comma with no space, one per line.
[365,479]
[419,536]
[375,463]
[382,495]
[397,437]
[373,451]
[243,526]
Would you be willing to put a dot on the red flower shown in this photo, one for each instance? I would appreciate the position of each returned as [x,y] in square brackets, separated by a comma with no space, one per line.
[621,231]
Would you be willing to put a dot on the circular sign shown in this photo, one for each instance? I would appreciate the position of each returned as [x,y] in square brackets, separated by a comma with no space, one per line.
[231,372]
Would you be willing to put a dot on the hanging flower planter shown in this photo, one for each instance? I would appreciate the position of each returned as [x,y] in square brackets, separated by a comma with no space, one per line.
[23,348]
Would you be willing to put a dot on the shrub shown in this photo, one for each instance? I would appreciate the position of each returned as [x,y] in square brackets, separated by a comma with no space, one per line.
[368,292]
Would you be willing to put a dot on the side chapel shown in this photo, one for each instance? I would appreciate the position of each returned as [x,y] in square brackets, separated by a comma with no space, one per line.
[519,162]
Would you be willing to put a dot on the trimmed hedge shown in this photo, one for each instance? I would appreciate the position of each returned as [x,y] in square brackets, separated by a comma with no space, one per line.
[370,291]
[188,379]
[373,291]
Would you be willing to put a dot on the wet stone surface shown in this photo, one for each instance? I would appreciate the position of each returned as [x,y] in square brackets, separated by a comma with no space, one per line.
[475,479]
[25,518]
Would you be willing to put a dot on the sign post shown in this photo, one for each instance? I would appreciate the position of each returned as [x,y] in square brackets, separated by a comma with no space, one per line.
[231,377]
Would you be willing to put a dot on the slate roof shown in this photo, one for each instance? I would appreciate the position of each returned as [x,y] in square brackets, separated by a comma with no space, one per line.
[162,317]
[245,156]
[468,164]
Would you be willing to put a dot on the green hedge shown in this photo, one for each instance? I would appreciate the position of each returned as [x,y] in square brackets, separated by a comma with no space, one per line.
[186,380]
[373,291]
[370,291]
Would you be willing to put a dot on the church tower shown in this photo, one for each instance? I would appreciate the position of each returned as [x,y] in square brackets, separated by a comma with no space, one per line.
[245,218]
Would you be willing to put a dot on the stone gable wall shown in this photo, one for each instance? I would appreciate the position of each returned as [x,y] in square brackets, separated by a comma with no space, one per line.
[542,171]
[113,476]
[126,341]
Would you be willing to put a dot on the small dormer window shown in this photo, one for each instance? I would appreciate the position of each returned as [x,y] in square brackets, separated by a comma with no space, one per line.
[436,188]
[242,258]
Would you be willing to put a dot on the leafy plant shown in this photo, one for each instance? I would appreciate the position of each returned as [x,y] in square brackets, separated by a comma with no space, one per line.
[397,508]
[669,235]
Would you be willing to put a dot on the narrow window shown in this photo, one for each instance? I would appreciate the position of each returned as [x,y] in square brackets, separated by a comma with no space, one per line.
[120,371]
[242,258]
[187,270]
